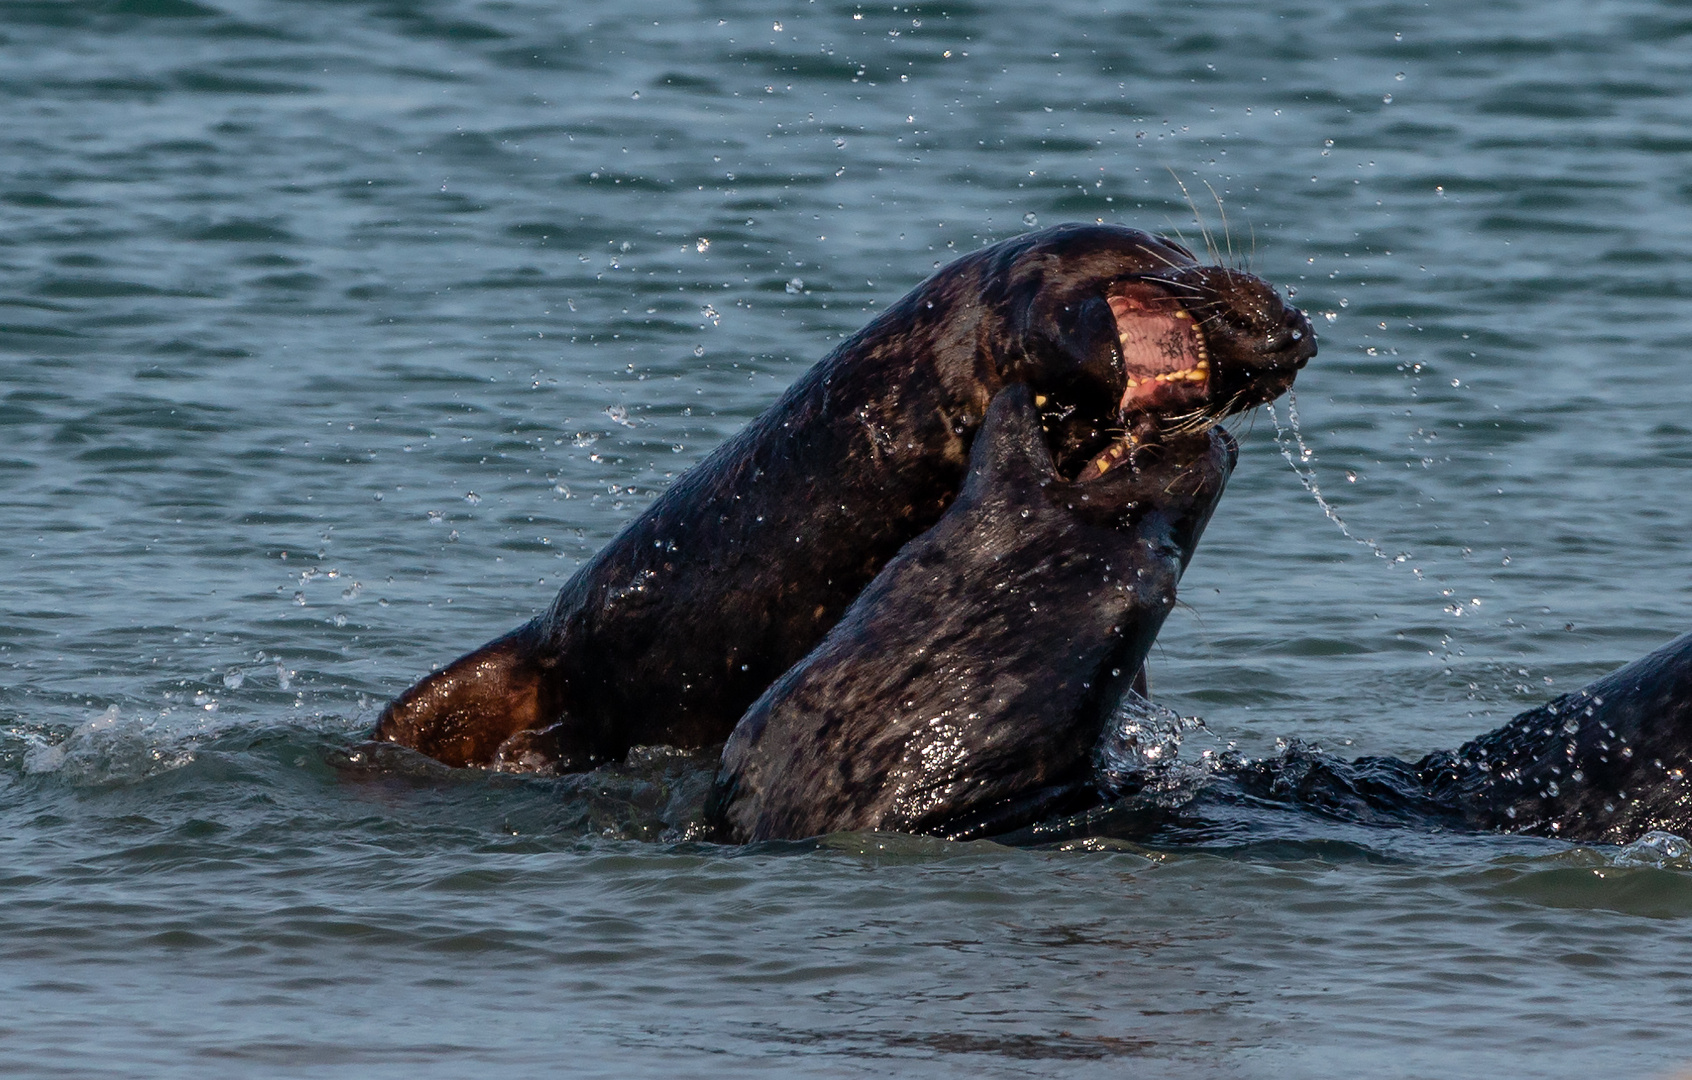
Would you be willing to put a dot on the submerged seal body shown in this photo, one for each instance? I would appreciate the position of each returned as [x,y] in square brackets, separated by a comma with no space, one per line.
[739,568]
[961,694]
[1609,762]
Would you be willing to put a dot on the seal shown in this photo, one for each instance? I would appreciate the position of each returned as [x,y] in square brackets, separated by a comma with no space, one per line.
[742,566]
[963,691]
[1608,763]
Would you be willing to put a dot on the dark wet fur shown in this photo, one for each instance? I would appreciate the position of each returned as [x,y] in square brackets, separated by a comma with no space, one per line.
[740,567]
[1605,764]
[963,691]
[1627,735]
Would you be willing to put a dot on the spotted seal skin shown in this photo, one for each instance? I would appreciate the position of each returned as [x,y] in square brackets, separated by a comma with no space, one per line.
[963,691]
[1607,763]
[739,568]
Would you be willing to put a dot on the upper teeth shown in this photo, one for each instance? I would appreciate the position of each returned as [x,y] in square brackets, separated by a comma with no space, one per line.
[1199,372]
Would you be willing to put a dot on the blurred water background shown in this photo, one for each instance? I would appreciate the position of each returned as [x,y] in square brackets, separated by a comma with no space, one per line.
[334,336]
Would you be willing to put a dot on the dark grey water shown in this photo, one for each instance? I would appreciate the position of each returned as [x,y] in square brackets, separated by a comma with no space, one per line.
[335,335]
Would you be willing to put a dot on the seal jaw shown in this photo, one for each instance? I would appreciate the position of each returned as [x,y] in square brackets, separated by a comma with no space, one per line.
[1201,343]
[1165,359]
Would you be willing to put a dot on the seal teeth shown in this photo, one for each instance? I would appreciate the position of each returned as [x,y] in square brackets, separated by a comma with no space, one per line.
[1109,458]
[1199,372]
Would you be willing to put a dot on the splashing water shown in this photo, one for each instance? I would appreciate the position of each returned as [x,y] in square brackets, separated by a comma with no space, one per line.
[1659,849]
[1140,751]
[1306,474]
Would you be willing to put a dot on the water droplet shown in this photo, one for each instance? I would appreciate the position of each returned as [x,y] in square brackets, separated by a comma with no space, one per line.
[1030,219]
[702,244]
[795,286]
[699,350]
[472,498]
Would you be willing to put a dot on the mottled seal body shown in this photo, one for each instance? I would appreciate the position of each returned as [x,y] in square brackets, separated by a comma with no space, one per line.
[1609,762]
[963,691]
[738,569]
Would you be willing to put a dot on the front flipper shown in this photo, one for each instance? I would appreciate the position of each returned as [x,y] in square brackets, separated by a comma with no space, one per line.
[493,705]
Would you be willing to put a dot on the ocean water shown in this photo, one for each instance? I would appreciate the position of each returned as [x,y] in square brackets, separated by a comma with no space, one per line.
[335,335]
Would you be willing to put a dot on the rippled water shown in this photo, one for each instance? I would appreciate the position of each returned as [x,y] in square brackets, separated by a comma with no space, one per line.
[336,335]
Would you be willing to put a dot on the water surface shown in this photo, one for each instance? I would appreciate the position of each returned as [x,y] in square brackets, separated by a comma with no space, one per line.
[336,335]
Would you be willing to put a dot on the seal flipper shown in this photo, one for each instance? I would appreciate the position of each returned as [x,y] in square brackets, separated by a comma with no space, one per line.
[1609,762]
[963,691]
[470,711]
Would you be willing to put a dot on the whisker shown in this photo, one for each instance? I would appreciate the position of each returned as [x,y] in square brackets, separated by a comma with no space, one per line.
[1176,229]
[1226,234]
[1192,290]
[1204,230]
[1164,259]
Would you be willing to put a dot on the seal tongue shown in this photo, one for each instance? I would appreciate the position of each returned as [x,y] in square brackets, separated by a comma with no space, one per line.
[1163,352]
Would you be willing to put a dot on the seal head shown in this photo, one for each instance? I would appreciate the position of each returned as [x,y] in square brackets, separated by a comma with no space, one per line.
[963,691]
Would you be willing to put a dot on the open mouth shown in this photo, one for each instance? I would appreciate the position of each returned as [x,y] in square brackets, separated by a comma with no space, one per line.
[1194,345]
[1163,351]
[1165,359]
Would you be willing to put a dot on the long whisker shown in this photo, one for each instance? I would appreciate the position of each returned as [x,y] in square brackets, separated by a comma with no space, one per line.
[1164,259]
[1226,234]
[1176,229]
[1204,230]
[1191,290]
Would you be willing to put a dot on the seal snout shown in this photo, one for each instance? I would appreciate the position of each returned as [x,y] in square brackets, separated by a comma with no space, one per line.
[1256,342]
[1295,337]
